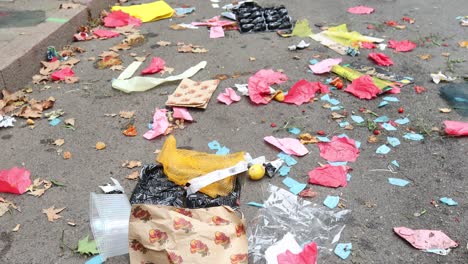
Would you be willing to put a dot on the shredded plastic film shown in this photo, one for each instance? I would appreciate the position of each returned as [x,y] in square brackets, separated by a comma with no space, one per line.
[285,213]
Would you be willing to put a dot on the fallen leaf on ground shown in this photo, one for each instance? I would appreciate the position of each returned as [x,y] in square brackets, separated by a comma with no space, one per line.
[17,227]
[134,39]
[91,58]
[425,56]
[133,54]
[163,43]
[67,155]
[131,164]
[130,131]
[463,44]
[445,110]
[52,213]
[49,67]
[69,121]
[307,138]
[121,46]
[100,145]
[70,62]
[109,54]
[168,70]
[30,122]
[126,114]
[87,247]
[133,176]
[5,206]
[141,59]
[117,68]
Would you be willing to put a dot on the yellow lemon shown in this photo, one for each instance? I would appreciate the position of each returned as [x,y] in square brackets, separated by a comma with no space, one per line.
[256,172]
[279,96]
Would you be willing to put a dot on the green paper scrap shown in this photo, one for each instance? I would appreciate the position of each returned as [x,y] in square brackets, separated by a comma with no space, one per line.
[57,20]
[302,28]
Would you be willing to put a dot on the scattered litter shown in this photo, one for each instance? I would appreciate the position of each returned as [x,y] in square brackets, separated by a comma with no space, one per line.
[448,201]
[157,65]
[302,29]
[457,97]
[331,201]
[295,131]
[290,146]
[384,149]
[6,121]
[388,127]
[401,46]
[146,12]
[363,87]
[109,188]
[413,136]
[360,10]
[52,213]
[339,149]
[394,162]
[55,121]
[343,250]
[304,91]
[120,19]
[184,11]
[393,141]
[216,26]
[324,66]
[259,205]
[220,150]
[259,85]
[294,186]
[329,176]
[290,161]
[159,126]
[357,119]
[398,182]
[105,34]
[381,59]
[253,18]
[426,240]
[302,45]
[193,94]
[15,180]
[284,170]
[456,128]
[182,113]
[100,145]
[308,255]
[228,97]
[440,77]
[402,121]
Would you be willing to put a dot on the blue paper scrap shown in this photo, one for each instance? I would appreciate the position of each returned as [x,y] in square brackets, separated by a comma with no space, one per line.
[415,137]
[323,139]
[393,141]
[448,201]
[394,162]
[358,143]
[334,101]
[290,161]
[391,99]
[338,163]
[336,108]
[294,186]
[150,125]
[357,119]
[343,124]
[388,127]
[381,119]
[284,170]
[182,11]
[384,149]
[329,80]
[348,177]
[223,151]
[343,250]
[55,121]
[214,145]
[95,260]
[294,130]
[398,182]
[331,201]
[382,104]
[402,121]
[343,135]
[313,61]
[256,204]
[325,97]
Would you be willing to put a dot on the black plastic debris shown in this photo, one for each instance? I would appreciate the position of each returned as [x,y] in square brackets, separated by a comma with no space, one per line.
[155,188]
[253,18]
[456,95]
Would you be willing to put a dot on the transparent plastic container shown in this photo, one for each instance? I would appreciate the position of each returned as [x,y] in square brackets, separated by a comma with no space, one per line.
[109,219]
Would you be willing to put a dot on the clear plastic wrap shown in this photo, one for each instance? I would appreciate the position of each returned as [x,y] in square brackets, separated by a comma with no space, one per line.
[285,212]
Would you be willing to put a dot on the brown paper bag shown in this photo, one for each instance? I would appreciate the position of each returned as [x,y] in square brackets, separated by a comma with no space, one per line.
[168,235]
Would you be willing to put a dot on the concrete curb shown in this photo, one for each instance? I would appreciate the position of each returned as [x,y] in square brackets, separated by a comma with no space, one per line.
[20,59]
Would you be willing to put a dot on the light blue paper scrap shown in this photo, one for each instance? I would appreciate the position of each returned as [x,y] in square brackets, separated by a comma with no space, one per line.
[150,125]
[388,127]
[55,121]
[357,119]
[290,182]
[448,201]
[290,161]
[214,145]
[329,80]
[358,143]
[402,121]
[343,135]
[415,137]
[394,162]
[182,11]
[334,101]
[313,61]
[294,130]
[381,119]
[331,201]
[256,204]
[336,108]
[284,170]
[296,189]
[223,151]
[384,149]
[391,99]
[326,97]
[323,139]
[393,141]
[343,124]
[398,182]
[382,104]
[95,260]
[343,250]
[338,163]
[348,177]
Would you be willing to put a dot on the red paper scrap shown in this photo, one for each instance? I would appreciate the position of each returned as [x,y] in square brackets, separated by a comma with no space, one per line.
[368,45]
[456,128]
[289,146]
[120,19]
[329,176]
[363,88]
[102,33]
[229,96]
[303,91]
[62,74]
[381,59]
[394,90]
[182,113]
[157,65]
[15,180]
[419,89]
[425,239]
[339,149]
[259,85]
[360,10]
[402,46]
[307,256]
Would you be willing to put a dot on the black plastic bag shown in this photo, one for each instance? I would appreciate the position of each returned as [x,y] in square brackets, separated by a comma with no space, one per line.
[155,188]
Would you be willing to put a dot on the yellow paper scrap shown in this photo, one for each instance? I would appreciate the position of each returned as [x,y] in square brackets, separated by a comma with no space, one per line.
[148,12]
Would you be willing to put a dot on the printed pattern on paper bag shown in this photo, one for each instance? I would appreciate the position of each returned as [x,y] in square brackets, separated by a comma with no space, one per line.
[193,94]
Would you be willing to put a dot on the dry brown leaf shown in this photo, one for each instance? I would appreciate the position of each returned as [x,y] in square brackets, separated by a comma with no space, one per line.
[108,62]
[445,110]
[70,62]
[177,27]
[446,54]
[52,213]
[168,70]
[69,6]
[117,68]
[307,138]
[59,142]
[131,164]
[109,54]
[126,114]
[185,49]
[335,115]
[69,121]
[5,206]
[463,44]
[37,192]
[17,227]
[49,103]
[373,139]
[29,112]
[140,59]
[100,145]
[126,30]
[163,43]
[327,106]
[133,54]
[121,46]
[199,50]
[30,122]
[71,79]
[38,78]
[67,155]
[425,56]
[349,127]
[134,39]
[49,67]
[133,176]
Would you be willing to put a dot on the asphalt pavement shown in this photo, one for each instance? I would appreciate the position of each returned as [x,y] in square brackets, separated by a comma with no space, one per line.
[436,166]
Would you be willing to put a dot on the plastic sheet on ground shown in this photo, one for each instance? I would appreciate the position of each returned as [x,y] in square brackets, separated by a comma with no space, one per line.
[141,84]
[285,213]
[147,12]
[228,97]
